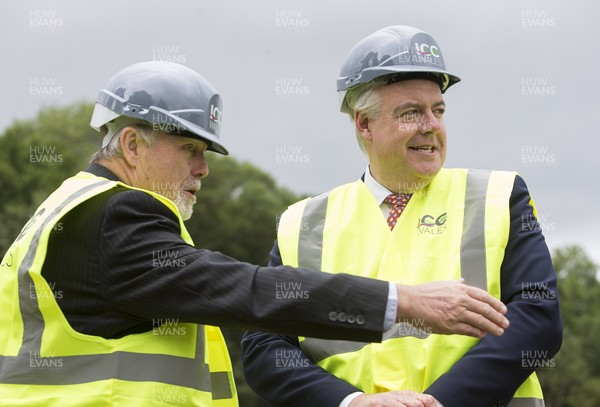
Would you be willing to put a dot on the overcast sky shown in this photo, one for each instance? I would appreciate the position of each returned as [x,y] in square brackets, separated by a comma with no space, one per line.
[528,96]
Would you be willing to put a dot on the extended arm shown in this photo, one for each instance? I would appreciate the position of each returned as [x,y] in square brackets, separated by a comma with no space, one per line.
[152,273]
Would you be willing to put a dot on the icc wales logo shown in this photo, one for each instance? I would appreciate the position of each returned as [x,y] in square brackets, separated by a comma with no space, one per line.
[215,115]
[432,225]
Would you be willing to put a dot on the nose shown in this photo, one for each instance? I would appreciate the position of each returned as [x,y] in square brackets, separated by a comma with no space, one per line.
[430,123]
[200,165]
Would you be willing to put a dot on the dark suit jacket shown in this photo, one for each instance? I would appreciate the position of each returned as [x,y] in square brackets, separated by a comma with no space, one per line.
[118,263]
[487,375]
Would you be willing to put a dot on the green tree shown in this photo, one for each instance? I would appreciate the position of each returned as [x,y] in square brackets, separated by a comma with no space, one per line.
[575,378]
[236,212]
[35,157]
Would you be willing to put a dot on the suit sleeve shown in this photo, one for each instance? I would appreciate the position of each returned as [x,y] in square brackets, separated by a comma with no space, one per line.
[491,372]
[282,375]
[152,273]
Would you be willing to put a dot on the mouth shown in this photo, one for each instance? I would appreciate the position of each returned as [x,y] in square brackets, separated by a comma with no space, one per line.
[425,149]
[191,188]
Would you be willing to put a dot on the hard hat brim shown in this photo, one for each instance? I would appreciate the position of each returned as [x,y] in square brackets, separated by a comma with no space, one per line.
[159,118]
[369,74]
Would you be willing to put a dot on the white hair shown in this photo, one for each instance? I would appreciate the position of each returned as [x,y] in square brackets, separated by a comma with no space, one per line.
[113,149]
[364,99]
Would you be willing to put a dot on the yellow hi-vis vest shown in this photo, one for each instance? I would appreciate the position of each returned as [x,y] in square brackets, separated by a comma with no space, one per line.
[456,227]
[44,362]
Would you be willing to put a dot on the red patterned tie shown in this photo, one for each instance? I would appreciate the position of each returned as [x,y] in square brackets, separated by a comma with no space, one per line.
[398,201]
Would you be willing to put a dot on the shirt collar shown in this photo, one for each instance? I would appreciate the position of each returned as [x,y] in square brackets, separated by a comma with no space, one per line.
[101,171]
[377,190]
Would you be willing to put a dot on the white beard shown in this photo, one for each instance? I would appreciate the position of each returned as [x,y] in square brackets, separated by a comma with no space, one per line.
[184,202]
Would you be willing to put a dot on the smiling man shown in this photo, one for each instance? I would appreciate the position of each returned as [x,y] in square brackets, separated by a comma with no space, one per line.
[406,139]
[408,220]
[112,310]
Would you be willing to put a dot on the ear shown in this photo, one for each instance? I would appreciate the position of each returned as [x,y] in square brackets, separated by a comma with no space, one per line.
[130,141]
[361,121]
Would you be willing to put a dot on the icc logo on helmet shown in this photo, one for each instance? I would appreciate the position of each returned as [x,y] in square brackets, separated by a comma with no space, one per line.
[426,49]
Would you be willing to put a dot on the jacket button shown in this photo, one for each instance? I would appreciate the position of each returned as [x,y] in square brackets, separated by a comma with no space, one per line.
[342,317]
[351,318]
[333,316]
[360,320]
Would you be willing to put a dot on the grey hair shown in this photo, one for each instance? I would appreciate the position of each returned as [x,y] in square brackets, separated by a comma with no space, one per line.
[364,99]
[113,149]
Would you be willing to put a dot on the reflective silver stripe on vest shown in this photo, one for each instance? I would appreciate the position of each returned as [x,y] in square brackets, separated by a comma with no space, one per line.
[472,245]
[33,323]
[221,388]
[319,349]
[62,370]
[472,256]
[310,243]
[526,402]
[30,368]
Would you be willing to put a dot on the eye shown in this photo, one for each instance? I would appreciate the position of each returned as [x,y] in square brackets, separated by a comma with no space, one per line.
[189,147]
[439,111]
[410,116]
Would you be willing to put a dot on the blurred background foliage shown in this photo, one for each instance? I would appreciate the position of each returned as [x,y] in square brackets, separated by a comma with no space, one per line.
[237,214]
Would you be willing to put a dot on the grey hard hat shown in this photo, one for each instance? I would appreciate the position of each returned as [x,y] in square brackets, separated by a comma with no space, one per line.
[396,52]
[173,98]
